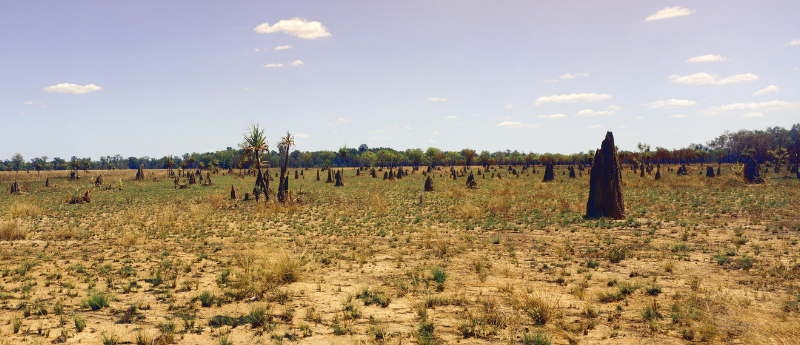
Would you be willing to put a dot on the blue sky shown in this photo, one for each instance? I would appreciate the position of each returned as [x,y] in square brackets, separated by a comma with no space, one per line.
[92,78]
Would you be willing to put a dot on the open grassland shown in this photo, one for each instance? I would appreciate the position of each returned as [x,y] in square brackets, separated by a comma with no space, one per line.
[513,261]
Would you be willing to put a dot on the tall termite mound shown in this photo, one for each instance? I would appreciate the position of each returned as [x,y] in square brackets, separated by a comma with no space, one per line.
[339,182]
[233,193]
[605,183]
[15,188]
[548,173]
[752,172]
[471,182]
[710,172]
[428,184]
[140,174]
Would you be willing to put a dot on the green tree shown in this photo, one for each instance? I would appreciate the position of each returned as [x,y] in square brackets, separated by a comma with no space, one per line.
[17,160]
[254,144]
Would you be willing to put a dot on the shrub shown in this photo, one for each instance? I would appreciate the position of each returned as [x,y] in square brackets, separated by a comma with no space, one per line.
[374,297]
[12,231]
[537,338]
[617,253]
[206,299]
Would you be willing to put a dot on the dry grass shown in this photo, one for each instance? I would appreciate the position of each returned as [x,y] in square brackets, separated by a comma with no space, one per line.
[12,231]
[24,209]
[541,304]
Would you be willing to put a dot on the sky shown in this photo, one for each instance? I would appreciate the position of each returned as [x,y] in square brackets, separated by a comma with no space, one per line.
[154,78]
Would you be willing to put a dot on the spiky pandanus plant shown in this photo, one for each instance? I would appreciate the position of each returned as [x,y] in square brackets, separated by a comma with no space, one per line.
[343,153]
[169,163]
[285,145]
[254,143]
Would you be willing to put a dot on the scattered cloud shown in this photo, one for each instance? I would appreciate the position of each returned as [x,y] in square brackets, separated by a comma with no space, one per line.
[670,12]
[23,114]
[639,117]
[622,126]
[677,116]
[590,112]
[705,78]
[516,124]
[431,141]
[707,58]
[669,104]
[549,81]
[572,98]
[297,63]
[753,114]
[508,107]
[614,107]
[245,88]
[47,106]
[762,106]
[768,89]
[451,117]
[479,114]
[273,65]
[552,117]
[408,127]
[335,132]
[795,42]
[435,133]
[301,135]
[338,121]
[594,126]
[73,88]
[28,103]
[573,76]
[436,99]
[299,27]
[377,131]
[283,47]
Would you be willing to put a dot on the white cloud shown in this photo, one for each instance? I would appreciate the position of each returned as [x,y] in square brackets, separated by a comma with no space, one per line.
[451,117]
[479,114]
[508,106]
[431,141]
[614,107]
[435,133]
[622,126]
[707,58]
[572,98]
[341,120]
[552,117]
[795,42]
[28,103]
[335,132]
[516,124]
[705,78]
[639,117]
[273,65]
[23,114]
[677,116]
[590,112]
[245,88]
[549,81]
[408,127]
[436,99]
[763,106]
[670,12]
[73,88]
[299,27]
[301,135]
[47,106]
[669,104]
[573,76]
[283,47]
[768,89]
[256,50]
[753,114]
[594,126]
[297,63]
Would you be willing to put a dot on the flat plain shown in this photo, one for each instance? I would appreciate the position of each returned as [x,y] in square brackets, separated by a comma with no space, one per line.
[698,260]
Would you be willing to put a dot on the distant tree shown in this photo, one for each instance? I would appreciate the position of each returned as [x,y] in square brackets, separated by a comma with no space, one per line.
[362,148]
[469,155]
[17,160]
[415,156]
[343,154]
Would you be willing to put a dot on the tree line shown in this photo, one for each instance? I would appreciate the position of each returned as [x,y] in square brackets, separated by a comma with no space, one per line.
[775,144]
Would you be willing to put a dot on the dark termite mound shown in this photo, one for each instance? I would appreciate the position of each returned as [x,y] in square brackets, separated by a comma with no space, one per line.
[752,172]
[710,172]
[605,183]
[428,184]
[548,173]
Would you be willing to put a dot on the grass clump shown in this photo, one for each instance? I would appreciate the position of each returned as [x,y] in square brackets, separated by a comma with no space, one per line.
[96,300]
[541,306]
[374,297]
[537,338]
[12,231]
